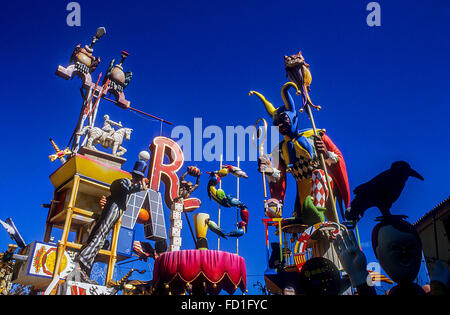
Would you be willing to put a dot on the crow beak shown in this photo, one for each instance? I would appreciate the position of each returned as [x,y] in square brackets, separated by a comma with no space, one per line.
[413,173]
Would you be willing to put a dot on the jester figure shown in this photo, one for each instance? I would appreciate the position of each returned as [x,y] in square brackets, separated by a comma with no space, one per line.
[298,154]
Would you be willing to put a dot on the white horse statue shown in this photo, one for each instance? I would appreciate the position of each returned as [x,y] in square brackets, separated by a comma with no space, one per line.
[96,135]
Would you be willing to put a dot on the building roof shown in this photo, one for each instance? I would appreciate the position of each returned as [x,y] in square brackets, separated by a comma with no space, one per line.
[434,211]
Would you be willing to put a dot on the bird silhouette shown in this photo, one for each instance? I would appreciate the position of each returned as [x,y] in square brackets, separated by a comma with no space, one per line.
[215,228]
[381,191]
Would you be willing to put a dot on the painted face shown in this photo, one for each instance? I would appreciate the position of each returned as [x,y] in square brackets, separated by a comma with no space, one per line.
[399,254]
[283,122]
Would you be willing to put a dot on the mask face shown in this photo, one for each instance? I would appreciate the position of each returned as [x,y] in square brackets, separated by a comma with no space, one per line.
[283,122]
[286,121]
[399,254]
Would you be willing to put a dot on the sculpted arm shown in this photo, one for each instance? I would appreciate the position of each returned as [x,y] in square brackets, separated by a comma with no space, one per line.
[276,175]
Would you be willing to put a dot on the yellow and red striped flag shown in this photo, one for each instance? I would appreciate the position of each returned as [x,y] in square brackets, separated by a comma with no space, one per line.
[378,277]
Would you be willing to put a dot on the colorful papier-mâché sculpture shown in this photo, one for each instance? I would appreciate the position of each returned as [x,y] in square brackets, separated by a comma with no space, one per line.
[240,231]
[213,227]
[224,200]
[120,190]
[118,78]
[218,195]
[82,56]
[187,187]
[236,171]
[298,154]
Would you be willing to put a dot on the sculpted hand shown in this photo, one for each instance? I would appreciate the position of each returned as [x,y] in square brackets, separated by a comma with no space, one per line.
[145,183]
[352,258]
[102,202]
[320,146]
[265,165]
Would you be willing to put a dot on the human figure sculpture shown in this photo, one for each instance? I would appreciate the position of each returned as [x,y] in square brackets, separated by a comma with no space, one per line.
[108,127]
[298,154]
[187,187]
[115,205]
[111,139]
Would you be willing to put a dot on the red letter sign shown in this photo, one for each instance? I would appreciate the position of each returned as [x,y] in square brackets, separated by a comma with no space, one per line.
[167,173]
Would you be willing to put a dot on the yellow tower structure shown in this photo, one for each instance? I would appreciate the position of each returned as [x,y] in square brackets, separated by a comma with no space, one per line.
[79,185]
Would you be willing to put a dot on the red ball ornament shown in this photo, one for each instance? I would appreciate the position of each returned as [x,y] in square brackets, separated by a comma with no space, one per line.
[143,216]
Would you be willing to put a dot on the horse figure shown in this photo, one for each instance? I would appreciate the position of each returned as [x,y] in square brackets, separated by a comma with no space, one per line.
[96,136]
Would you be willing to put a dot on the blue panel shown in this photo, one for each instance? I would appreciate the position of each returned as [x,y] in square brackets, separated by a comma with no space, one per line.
[124,242]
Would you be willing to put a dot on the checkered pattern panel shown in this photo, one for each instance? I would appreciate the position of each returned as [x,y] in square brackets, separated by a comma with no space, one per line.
[155,228]
[320,190]
[134,205]
[302,168]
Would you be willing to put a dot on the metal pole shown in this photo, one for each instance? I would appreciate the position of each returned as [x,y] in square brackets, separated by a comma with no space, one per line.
[237,210]
[144,113]
[190,228]
[88,108]
[260,147]
[140,112]
[281,240]
[322,160]
[220,187]
[80,123]
[298,79]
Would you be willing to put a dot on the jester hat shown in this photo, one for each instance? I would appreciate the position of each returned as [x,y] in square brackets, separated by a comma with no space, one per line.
[289,107]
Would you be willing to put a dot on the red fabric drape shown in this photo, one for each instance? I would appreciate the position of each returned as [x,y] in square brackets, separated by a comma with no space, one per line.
[339,171]
[224,269]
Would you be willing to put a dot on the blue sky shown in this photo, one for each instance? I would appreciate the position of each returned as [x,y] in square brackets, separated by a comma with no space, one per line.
[384,91]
